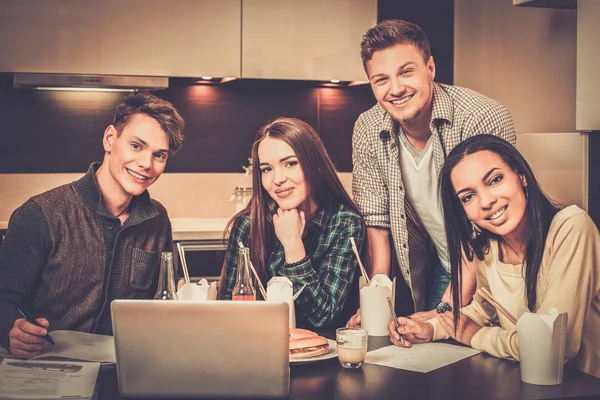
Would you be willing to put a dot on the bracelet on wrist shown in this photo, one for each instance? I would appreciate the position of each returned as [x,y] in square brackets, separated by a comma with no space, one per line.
[296,263]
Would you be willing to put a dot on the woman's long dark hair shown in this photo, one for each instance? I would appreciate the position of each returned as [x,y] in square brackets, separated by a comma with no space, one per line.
[322,182]
[540,211]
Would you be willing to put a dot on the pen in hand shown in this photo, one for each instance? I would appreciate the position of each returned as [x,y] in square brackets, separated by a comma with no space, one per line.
[395,320]
[32,320]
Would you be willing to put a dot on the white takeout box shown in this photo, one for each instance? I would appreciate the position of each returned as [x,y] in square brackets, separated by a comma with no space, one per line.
[542,340]
[375,312]
[200,291]
[280,288]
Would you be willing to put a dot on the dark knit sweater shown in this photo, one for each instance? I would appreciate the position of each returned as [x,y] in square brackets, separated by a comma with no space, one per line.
[66,257]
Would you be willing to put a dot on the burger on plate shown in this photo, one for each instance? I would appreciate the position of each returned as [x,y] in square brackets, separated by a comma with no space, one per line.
[306,344]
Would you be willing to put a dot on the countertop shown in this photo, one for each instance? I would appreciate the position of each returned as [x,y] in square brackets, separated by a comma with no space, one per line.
[198,228]
[188,228]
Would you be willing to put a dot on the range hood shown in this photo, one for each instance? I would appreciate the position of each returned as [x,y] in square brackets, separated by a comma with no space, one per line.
[88,82]
[566,4]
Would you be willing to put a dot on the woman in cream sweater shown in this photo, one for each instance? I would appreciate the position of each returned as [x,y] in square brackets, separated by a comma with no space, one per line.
[528,252]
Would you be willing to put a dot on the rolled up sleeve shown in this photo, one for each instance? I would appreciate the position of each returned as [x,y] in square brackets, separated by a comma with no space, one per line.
[328,283]
[368,186]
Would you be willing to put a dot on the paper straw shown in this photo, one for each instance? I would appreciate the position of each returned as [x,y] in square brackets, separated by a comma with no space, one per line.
[298,292]
[483,292]
[362,268]
[260,285]
[186,274]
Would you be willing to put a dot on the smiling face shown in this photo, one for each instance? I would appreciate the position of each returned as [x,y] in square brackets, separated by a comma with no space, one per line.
[491,193]
[402,82]
[136,157]
[281,174]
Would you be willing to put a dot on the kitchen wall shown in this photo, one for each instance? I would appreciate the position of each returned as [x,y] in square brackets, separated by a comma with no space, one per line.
[185,195]
[560,162]
[42,128]
[50,138]
[588,88]
[525,57]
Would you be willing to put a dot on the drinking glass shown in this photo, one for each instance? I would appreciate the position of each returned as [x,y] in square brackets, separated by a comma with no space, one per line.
[351,346]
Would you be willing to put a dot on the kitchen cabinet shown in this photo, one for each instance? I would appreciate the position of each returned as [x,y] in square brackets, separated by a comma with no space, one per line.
[305,39]
[204,244]
[204,258]
[587,117]
[188,38]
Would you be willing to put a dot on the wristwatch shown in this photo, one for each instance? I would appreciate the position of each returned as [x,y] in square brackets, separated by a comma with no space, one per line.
[443,307]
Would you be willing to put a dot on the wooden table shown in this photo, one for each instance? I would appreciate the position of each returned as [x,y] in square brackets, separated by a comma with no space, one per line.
[480,377]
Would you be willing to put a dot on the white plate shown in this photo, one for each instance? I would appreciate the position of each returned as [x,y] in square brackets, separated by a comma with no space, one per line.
[331,353]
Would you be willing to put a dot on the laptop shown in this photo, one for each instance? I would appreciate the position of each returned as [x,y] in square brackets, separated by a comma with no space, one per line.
[214,349]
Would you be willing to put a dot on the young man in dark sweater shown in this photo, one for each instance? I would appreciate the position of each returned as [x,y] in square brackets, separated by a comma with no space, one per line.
[72,250]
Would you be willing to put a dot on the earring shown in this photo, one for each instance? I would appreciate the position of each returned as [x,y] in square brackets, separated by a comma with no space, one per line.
[526,194]
[474,231]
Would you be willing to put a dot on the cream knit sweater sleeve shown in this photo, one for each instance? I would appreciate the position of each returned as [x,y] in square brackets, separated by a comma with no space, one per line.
[480,311]
[568,280]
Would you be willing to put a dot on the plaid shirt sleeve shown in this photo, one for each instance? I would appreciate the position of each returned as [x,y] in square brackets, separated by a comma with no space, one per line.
[240,231]
[369,189]
[328,283]
[492,118]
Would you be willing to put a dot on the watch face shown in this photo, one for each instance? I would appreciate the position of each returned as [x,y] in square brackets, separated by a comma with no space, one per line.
[443,307]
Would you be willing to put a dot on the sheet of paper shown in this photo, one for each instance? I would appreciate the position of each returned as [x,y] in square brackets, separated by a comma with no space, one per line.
[81,346]
[27,379]
[423,357]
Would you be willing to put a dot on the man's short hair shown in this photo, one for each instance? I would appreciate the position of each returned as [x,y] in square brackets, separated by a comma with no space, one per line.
[161,110]
[390,33]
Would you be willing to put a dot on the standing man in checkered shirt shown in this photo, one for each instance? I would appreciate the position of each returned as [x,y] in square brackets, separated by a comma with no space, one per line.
[398,148]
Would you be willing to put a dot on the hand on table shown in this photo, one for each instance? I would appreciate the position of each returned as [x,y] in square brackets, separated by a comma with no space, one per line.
[466,327]
[26,339]
[413,332]
[354,321]
[423,315]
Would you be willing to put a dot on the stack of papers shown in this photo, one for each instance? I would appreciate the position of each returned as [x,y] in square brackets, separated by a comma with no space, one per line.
[80,346]
[39,378]
[27,379]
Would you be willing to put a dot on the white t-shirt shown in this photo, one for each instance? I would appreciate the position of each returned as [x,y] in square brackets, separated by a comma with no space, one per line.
[421,183]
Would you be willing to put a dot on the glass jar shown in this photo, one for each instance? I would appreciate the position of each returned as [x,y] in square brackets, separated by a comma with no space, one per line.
[243,191]
[240,197]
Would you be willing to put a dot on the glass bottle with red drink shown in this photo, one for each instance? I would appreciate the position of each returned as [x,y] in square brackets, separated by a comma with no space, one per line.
[243,289]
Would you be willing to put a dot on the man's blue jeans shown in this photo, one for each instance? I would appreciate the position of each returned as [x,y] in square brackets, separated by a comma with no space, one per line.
[437,282]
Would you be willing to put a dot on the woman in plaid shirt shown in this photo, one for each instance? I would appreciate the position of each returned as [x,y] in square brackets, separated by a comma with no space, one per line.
[298,223]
